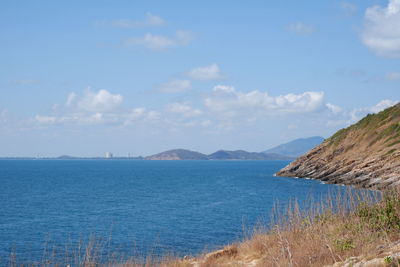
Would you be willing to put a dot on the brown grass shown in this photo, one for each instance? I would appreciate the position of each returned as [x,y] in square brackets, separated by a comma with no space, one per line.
[350,225]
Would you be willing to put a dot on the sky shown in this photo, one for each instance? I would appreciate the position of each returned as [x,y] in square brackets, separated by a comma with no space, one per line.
[84,78]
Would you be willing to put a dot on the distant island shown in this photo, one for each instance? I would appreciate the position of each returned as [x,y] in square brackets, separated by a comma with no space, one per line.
[287,151]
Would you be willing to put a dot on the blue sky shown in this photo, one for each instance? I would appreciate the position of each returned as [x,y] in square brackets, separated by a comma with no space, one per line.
[140,77]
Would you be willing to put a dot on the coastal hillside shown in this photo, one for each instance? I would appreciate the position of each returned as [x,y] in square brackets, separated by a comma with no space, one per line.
[366,154]
[296,147]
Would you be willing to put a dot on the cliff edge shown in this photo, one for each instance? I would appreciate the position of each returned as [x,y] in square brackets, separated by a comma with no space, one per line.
[365,154]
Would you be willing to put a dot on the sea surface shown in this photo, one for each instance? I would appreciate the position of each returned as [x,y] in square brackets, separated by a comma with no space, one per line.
[141,207]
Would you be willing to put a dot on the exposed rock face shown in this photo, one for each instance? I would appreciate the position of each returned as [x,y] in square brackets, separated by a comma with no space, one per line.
[366,154]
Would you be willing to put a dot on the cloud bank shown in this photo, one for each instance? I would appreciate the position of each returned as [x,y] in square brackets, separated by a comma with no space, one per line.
[175,86]
[223,108]
[382,29]
[160,42]
[228,100]
[300,28]
[210,72]
[100,101]
[149,20]
[392,76]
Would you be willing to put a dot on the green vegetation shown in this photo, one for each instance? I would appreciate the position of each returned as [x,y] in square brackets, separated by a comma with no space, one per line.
[385,215]
[371,125]
[344,244]
[338,136]
[388,259]
[391,151]
[394,143]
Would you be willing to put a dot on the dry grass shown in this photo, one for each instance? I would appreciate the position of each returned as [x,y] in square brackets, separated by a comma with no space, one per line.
[346,225]
[350,225]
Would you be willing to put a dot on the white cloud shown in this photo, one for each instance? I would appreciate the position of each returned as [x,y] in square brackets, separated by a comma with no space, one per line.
[210,72]
[392,76]
[224,108]
[142,113]
[160,42]
[384,104]
[154,20]
[339,116]
[348,8]
[93,108]
[224,89]
[70,99]
[45,119]
[3,115]
[149,20]
[333,108]
[100,101]
[153,115]
[183,37]
[382,29]
[184,109]
[154,42]
[300,28]
[139,114]
[228,102]
[81,118]
[175,86]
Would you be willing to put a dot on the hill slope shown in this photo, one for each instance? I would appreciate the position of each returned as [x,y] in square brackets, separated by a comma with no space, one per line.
[244,155]
[366,154]
[178,154]
[296,147]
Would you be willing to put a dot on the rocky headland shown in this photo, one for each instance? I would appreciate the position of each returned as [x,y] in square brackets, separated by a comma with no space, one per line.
[366,154]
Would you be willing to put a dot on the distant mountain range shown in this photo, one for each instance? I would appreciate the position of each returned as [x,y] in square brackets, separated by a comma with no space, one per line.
[183,154]
[244,155]
[296,147]
[288,151]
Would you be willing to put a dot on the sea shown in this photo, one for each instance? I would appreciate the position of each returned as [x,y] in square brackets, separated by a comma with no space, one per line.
[139,207]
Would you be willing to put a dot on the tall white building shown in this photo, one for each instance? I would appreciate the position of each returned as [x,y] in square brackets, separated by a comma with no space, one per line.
[109,155]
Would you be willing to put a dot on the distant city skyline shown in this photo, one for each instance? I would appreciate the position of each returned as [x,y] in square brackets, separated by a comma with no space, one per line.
[141,77]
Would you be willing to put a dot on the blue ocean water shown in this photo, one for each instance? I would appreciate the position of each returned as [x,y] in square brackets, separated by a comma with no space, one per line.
[184,207]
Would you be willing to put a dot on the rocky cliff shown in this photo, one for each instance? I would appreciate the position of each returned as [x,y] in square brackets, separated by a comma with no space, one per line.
[366,154]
